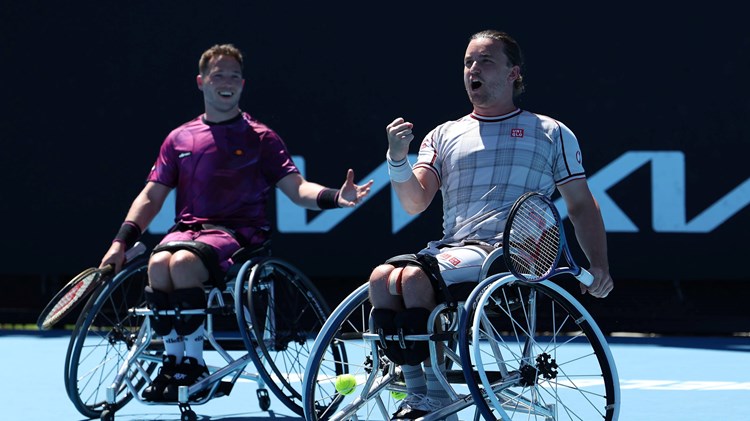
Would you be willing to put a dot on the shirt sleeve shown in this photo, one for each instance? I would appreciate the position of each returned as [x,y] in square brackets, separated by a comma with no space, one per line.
[428,157]
[165,169]
[275,158]
[568,164]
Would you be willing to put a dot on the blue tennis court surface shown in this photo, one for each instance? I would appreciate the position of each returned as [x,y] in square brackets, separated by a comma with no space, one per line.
[682,379]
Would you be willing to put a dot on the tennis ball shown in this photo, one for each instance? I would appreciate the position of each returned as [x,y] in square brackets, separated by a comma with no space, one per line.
[345,384]
[398,395]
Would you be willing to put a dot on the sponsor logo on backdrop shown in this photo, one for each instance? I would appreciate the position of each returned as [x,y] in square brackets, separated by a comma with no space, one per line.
[668,191]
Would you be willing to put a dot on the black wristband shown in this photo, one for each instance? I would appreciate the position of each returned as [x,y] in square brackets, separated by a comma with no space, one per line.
[328,198]
[128,234]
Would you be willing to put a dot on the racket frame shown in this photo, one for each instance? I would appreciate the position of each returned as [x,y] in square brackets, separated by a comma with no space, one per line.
[47,318]
[563,250]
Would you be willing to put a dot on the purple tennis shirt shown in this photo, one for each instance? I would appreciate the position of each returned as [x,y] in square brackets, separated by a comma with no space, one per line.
[223,173]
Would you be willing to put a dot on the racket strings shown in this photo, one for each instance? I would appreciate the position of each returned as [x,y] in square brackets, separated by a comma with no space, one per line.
[71,297]
[535,239]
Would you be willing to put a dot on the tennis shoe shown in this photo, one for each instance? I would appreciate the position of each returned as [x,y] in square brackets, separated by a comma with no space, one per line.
[155,391]
[188,373]
[417,406]
[411,407]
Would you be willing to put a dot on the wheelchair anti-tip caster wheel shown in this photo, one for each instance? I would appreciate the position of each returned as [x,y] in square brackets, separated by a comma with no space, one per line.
[107,415]
[263,399]
[188,415]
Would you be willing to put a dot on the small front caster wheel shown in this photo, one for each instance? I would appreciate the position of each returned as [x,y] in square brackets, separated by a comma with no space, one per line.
[188,415]
[107,415]
[263,399]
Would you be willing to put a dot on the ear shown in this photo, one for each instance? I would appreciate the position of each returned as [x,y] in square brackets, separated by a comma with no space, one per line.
[199,82]
[515,73]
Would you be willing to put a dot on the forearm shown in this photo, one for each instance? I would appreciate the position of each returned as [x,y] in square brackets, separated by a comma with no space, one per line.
[309,194]
[412,194]
[591,234]
[143,210]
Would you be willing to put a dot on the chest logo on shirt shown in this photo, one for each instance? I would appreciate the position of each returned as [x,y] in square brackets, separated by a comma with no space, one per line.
[184,155]
[516,132]
[453,260]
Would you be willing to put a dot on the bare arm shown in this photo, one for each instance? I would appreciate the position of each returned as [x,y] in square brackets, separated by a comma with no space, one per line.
[142,211]
[416,193]
[305,193]
[586,217]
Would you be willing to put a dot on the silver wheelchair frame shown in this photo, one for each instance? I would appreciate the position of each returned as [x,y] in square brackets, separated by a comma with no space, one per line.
[115,325]
[496,362]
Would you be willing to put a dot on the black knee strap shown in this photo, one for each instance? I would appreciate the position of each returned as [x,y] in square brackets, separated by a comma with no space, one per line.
[158,300]
[412,321]
[206,253]
[188,299]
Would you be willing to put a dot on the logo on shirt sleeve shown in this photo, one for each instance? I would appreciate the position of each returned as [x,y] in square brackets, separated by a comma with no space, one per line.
[516,132]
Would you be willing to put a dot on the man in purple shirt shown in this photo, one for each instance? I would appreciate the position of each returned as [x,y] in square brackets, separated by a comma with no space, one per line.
[223,165]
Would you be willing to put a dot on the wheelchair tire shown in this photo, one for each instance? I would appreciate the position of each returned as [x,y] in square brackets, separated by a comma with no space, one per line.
[281,313]
[538,352]
[100,341]
[341,349]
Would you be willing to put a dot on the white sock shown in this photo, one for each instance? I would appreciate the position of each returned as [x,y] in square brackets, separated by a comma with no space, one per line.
[194,345]
[174,345]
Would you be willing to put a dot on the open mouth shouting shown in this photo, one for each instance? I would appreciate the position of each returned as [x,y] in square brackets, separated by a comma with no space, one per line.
[475,84]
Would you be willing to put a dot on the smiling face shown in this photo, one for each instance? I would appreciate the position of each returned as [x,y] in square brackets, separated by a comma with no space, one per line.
[222,84]
[489,77]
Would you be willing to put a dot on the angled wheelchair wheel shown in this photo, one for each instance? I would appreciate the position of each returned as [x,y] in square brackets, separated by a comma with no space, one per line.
[532,352]
[101,339]
[281,313]
[341,349]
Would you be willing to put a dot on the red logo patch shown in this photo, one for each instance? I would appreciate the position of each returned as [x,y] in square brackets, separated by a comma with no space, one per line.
[450,259]
[516,132]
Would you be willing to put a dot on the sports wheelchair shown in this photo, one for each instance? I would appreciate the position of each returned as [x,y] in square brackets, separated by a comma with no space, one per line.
[511,350]
[265,317]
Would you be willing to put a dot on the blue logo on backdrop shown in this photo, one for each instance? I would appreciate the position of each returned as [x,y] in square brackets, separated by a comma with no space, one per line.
[667,200]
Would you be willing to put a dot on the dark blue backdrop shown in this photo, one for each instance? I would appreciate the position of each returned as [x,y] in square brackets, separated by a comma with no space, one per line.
[657,97]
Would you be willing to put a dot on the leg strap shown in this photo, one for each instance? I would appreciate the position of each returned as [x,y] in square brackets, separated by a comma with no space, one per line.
[411,321]
[383,323]
[158,300]
[188,299]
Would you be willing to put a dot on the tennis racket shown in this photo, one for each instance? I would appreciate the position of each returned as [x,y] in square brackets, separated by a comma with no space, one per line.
[79,288]
[534,241]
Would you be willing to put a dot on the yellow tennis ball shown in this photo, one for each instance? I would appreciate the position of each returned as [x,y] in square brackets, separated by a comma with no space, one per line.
[346,384]
[398,395]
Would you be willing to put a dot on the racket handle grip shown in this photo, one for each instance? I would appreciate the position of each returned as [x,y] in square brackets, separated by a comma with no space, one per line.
[585,277]
[135,251]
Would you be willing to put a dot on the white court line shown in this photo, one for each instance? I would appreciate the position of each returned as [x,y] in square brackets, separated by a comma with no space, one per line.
[682,385]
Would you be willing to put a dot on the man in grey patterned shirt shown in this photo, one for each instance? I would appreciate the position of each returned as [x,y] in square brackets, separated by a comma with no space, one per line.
[481,163]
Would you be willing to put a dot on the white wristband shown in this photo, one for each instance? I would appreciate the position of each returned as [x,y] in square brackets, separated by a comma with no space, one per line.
[399,171]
